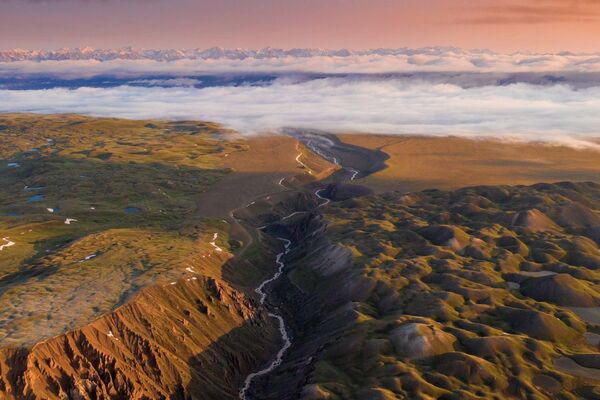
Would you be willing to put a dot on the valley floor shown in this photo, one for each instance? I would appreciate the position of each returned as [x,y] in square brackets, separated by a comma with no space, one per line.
[418,162]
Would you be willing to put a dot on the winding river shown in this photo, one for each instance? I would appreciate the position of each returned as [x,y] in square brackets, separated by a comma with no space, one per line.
[282,328]
[327,144]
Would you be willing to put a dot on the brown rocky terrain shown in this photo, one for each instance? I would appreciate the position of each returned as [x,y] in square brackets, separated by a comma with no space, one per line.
[196,338]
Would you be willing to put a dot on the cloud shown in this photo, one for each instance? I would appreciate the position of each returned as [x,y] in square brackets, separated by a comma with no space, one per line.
[556,113]
[551,97]
[168,82]
[535,12]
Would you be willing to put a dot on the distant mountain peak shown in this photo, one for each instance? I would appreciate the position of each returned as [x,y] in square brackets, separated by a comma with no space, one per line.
[131,53]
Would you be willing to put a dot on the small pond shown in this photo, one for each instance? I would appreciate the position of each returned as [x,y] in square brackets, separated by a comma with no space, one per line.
[36,198]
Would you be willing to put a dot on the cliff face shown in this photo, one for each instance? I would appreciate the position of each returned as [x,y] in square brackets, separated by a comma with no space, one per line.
[195,338]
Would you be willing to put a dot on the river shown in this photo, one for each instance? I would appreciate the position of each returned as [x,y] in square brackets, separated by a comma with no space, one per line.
[323,148]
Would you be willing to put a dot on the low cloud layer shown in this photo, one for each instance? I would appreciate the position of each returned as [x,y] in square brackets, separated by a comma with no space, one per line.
[520,111]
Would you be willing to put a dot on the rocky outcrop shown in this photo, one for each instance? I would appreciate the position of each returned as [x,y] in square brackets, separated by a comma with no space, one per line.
[445,235]
[418,340]
[534,220]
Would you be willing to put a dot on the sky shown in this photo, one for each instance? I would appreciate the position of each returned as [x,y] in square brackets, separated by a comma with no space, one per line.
[500,25]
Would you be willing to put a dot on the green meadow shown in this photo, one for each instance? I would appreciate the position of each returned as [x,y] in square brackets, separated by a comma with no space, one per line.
[97,209]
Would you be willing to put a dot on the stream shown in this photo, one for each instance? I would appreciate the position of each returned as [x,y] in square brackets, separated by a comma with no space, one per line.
[282,328]
[323,147]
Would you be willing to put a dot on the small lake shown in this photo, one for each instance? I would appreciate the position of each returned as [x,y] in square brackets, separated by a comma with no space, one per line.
[36,198]
[132,210]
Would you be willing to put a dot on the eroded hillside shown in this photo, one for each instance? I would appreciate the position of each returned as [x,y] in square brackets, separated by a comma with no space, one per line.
[195,338]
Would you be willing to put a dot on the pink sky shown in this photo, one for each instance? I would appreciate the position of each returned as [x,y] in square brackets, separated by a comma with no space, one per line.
[501,25]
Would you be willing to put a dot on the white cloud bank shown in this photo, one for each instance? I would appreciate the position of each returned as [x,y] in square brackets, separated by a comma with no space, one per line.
[556,113]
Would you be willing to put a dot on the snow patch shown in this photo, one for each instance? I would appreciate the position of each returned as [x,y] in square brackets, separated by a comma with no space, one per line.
[302,164]
[8,243]
[90,257]
[214,243]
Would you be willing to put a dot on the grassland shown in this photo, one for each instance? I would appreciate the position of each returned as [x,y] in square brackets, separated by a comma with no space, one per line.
[129,192]
[98,209]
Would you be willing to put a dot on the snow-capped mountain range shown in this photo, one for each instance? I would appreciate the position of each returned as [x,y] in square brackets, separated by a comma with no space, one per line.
[129,61]
[130,53]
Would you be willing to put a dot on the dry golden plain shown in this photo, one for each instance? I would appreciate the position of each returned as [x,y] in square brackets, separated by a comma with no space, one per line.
[422,162]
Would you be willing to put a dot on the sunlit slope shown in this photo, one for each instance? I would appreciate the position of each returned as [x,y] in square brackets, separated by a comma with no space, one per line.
[195,338]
